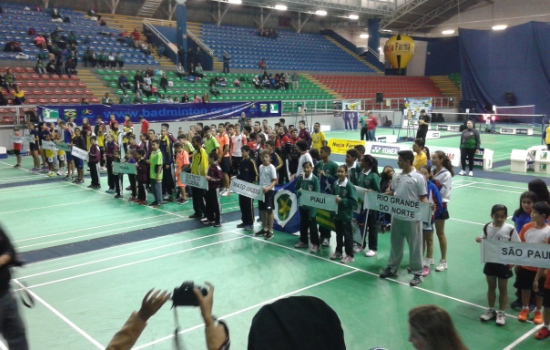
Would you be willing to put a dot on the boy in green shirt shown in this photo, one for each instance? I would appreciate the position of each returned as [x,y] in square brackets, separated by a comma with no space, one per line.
[155,174]
[308,182]
[327,168]
[210,142]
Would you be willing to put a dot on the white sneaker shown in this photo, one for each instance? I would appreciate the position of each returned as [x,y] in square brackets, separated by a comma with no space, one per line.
[442,266]
[501,318]
[225,193]
[462,173]
[297,233]
[428,261]
[370,253]
[488,315]
[471,173]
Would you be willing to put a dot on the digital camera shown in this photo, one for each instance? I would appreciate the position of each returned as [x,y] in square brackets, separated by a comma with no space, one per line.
[185,295]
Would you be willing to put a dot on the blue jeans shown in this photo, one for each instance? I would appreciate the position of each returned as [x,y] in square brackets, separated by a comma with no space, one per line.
[11,324]
[370,135]
[156,187]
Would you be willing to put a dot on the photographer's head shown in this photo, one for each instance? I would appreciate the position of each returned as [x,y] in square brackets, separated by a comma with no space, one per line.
[280,325]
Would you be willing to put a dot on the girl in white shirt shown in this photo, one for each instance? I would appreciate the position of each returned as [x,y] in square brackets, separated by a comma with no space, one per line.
[495,272]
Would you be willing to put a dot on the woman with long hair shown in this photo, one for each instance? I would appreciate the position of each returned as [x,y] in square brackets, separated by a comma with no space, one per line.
[431,328]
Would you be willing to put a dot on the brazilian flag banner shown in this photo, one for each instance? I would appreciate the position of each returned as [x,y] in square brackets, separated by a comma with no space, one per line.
[287,216]
[324,218]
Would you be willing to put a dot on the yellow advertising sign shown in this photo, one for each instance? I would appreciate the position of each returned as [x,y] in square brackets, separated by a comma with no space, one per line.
[340,146]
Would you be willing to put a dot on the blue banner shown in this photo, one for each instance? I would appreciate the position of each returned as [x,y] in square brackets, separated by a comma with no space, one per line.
[172,112]
[287,215]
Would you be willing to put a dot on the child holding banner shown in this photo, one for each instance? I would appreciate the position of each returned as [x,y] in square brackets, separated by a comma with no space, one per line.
[325,170]
[155,174]
[308,222]
[249,173]
[79,141]
[268,180]
[537,232]
[142,176]
[182,164]
[369,178]
[49,154]
[347,202]
[118,176]
[94,157]
[17,146]
[110,148]
[214,177]
[434,198]
[495,272]
[199,166]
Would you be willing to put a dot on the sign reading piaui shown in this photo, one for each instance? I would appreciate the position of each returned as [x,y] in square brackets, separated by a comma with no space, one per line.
[319,200]
[409,210]
[194,180]
[124,168]
[515,253]
[247,189]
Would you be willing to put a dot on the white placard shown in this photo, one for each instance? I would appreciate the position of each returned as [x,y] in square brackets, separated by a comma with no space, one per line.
[79,153]
[29,138]
[124,168]
[194,180]
[247,189]
[319,200]
[408,210]
[515,253]
[49,145]
[16,139]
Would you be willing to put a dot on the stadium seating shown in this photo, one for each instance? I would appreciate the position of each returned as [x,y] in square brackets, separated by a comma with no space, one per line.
[392,86]
[307,91]
[16,23]
[291,50]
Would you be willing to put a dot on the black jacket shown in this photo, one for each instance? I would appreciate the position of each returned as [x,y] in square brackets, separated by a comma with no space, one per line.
[5,275]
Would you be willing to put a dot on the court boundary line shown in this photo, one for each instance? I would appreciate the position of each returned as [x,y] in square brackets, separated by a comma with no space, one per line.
[168,337]
[119,256]
[307,253]
[523,337]
[131,263]
[64,318]
[15,189]
[50,206]
[91,234]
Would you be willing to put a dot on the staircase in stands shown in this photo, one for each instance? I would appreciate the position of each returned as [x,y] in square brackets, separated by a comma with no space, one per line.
[448,87]
[196,29]
[149,8]
[92,81]
[128,24]
[357,57]
[334,93]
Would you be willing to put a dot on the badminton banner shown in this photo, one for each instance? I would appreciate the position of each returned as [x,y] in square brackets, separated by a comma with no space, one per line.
[163,112]
[247,189]
[515,253]
[405,209]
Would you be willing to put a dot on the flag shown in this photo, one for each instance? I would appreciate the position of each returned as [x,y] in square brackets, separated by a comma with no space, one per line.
[287,217]
[324,218]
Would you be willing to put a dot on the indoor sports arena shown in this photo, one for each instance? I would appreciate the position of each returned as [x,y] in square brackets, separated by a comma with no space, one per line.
[340,174]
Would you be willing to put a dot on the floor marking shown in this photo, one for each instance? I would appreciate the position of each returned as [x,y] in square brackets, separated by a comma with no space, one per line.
[16,189]
[87,229]
[493,184]
[463,185]
[133,263]
[119,256]
[248,308]
[50,206]
[367,272]
[523,337]
[65,319]
[497,190]
[468,222]
[92,234]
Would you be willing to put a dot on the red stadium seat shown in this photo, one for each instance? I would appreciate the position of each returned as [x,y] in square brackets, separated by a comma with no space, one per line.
[29,70]
[62,84]
[32,101]
[75,100]
[52,84]
[65,77]
[18,70]
[58,92]
[42,100]
[64,100]
[54,100]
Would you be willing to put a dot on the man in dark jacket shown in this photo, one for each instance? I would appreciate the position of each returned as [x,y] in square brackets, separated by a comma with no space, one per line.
[11,324]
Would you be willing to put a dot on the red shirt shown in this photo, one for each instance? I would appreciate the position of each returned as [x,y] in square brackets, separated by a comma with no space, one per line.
[144,126]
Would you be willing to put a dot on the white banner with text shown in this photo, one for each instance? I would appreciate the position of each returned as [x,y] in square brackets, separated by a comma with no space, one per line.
[247,189]
[405,209]
[319,200]
[515,253]
[194,180]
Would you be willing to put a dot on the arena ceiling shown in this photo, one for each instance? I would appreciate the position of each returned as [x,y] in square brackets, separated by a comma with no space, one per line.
[403,16]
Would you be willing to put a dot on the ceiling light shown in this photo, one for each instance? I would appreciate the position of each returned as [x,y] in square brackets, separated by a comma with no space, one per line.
[354,17]
[386,30]
[448,32]
[236,2]
[364,36]
[280,7]
[321,13]
[500,27]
